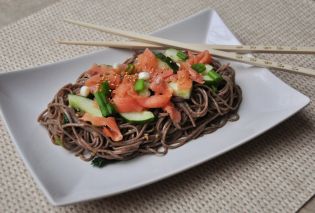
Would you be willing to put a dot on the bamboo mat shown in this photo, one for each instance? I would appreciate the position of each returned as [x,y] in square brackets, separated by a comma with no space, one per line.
[273,173]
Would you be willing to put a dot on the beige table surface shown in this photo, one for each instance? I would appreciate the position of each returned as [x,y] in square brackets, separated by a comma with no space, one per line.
[273,173]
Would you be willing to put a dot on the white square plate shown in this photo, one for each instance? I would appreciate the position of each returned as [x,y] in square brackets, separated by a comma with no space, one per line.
[66,179]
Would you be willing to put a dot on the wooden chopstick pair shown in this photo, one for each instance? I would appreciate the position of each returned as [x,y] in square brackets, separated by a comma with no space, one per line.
[147,41]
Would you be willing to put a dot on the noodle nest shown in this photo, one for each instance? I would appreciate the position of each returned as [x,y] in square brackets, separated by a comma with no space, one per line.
[205,112]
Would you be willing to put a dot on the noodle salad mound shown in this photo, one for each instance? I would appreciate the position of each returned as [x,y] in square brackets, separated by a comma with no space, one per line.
[150,103]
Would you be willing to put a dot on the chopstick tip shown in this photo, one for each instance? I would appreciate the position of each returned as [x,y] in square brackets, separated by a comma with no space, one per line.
[61,42]
[67,20]
[71,21]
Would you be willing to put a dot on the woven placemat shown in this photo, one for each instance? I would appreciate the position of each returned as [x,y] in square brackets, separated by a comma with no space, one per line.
[273,173]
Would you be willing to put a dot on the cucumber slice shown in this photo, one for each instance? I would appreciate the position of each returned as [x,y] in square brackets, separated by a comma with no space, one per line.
[208,69]
[171,64]
[208,80]
[172,53]
[176,55]
[163,65]
[179,92]
[138,117]
[84,104]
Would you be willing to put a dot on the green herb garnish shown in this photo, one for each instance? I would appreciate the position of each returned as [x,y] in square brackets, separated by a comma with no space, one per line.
[200,68]
[213,80]
[58,141]
[181,55]
[101,162]
[101,97]
[215,76]
[110,108]
[65,119]
[105,88]
[130,69]
[100,100]
[139,85]
[214,89]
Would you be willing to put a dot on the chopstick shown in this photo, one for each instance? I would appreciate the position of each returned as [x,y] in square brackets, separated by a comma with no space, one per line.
[220,54]
[228,48]
[114,44]
[265,49]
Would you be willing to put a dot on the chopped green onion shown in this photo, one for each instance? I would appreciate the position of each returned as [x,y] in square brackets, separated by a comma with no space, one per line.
[160,56]
[168,61]
[200,68]
[100,100]
[58,141]
[208,67]
[110,108]
[215,76]
[208,79]
[130,69]
[213,79]
[101,162]
[65,119]
[139,85]
[104,88]
[214,89]
[181,55]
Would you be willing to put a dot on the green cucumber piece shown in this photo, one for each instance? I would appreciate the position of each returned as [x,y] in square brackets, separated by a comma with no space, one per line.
[84,104]
[138,117]
[163,65]
[179,92]
[172,53]
[171,64]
